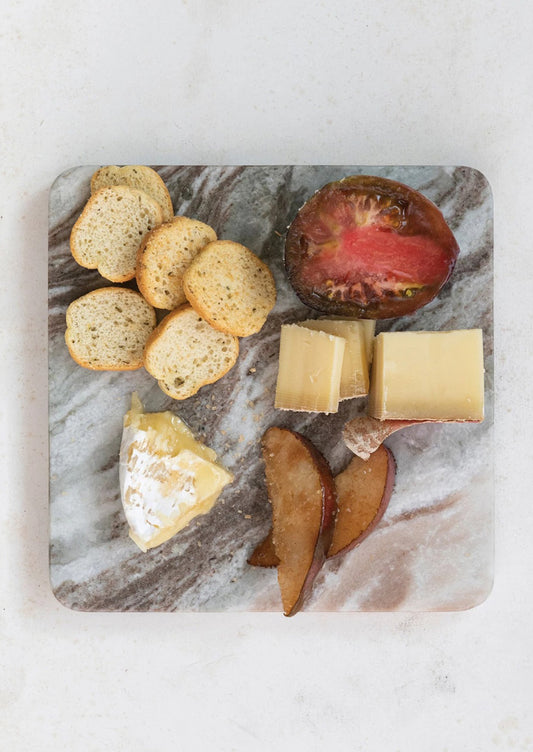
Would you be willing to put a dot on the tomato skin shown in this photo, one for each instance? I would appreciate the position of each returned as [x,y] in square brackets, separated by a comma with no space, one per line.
[369,247]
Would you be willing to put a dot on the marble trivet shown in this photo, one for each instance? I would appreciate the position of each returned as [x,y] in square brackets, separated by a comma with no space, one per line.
[433,550]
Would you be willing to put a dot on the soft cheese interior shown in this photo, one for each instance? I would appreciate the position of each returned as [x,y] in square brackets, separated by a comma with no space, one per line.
[167,477]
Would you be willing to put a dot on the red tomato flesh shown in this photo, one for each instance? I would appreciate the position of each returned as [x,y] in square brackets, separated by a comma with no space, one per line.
[369,247]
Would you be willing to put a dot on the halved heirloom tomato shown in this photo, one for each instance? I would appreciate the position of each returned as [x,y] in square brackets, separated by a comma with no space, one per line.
[369,247]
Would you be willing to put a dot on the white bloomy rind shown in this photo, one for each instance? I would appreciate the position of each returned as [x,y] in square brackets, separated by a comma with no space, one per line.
[163,485]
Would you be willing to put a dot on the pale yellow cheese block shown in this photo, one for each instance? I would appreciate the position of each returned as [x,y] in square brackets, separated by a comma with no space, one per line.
[310,367]
[428,376]
[369,331]
[167,477]
[354,375]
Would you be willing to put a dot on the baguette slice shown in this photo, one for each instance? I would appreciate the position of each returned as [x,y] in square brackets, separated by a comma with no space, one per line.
[110,229]
[184,353]
[136,176]
[163,257]
[230,287]
[108,328]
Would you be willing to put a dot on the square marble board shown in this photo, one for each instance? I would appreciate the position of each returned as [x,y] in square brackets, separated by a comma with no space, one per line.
[433,550]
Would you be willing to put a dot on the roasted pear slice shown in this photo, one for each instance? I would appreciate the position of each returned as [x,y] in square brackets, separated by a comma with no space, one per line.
[364,490]
[264,554]
[302,492]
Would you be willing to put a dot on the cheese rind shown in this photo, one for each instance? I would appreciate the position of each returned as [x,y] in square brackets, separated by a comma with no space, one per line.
[310,366]
[167,477]
[354,374]
[428,376]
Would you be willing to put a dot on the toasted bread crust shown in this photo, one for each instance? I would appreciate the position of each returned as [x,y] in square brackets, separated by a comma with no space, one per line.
[107,234]
[164,256]
[230,287]
[107,329]
[140,177]
[185,353]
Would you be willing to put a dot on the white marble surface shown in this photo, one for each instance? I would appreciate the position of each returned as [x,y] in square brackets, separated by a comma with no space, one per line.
[233,83]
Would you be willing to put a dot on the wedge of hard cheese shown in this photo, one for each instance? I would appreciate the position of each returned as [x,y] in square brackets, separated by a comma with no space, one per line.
[357,352]
[428,376]
[167,477]
[310,368]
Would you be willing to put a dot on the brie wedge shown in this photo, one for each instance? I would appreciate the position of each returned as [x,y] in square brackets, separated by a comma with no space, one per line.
[167,477]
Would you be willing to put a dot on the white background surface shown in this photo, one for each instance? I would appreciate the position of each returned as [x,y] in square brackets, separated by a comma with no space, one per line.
[240,82]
